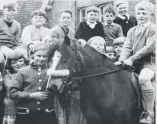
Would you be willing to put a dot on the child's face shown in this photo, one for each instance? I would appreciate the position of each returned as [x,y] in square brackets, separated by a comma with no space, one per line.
[109,17]
[118,49]
[10,13]
[98,45]
[38,20]
[17,64]
[122,9]
[92,16]
[40,57]
[111,56]
[65,19]
[142,16]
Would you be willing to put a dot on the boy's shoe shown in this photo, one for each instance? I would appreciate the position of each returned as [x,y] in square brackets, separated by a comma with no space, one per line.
[146,118]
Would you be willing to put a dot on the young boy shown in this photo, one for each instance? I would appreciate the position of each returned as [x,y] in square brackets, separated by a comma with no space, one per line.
[10,30]
[98,43]
[139,50]
[90,27]
[63,29]
[111,30]
[117,46]
[35,33]
[35,103]
[125,20]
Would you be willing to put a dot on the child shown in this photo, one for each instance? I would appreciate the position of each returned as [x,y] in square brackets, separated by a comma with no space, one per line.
[125,20]
[111,30]
[90,27]
[63,29]
[98,43]
[10,30]
[15,61]
[139,50]
[36,32]
[117,46]
[34,101]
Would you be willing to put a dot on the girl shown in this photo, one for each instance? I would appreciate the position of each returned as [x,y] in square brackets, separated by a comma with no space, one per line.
[15,61]
[98,43]
[34,101]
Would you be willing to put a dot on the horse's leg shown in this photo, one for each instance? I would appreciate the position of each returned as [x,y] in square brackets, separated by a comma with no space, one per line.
[90,113]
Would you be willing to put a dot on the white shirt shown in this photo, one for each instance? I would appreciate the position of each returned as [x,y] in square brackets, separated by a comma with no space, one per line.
[91,25]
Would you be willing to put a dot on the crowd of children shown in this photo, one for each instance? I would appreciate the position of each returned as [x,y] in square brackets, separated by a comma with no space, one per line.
[125,39]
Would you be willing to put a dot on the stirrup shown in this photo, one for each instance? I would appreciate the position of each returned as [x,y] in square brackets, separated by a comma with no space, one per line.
[144,115]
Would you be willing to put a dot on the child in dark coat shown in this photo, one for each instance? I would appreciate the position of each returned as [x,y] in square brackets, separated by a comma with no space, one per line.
[35,103]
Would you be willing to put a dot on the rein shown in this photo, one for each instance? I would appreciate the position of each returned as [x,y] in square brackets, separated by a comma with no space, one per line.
[94,75]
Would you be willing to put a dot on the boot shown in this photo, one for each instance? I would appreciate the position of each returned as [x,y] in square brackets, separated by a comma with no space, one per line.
[147,117]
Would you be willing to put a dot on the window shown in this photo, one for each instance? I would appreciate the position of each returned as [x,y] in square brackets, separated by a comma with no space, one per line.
[101,18]
[82,14]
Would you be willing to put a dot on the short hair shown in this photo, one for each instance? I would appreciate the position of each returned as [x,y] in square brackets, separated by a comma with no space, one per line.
[109,9]
[39,13]
[15,55]
[92,9]
[97,38]
[66,11]
[119,2]
[10,6]
[145,5]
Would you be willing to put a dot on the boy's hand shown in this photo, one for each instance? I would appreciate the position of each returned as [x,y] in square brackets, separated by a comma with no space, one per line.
[128,62]
[38,96]
[82,42]
[118,63]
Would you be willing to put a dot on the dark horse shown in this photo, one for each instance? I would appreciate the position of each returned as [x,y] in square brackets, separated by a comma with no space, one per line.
[107,95]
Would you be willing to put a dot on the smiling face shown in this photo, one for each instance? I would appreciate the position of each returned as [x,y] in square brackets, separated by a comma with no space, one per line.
[17,64]
[38,20]
[98,45]
[142,16]
[65,19]
[9,13]
[92,16]
[118,49]
[122,9]
[40,57]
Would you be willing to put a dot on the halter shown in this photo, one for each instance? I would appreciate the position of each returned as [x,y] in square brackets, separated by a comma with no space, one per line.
[78,60]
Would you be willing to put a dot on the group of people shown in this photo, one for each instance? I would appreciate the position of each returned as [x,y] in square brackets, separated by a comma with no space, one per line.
[123,38]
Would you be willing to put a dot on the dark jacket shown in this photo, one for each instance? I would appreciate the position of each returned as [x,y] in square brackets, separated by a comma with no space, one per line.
[85,32]
[126,25]
[31,79]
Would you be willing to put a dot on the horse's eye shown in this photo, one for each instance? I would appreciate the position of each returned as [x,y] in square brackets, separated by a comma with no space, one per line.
[65,59]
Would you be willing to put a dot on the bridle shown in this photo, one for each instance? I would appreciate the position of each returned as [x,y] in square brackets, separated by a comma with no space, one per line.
[78,60]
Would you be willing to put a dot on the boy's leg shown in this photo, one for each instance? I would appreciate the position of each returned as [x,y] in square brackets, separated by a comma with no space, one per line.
[145,78]
[6,51]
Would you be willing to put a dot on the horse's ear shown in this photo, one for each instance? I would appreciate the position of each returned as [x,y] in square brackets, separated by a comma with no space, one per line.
[67,40]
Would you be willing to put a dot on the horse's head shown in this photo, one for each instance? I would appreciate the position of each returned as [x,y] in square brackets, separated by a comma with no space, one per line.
[65,60]
[74,61]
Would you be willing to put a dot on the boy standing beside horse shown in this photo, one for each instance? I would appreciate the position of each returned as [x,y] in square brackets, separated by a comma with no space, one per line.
[139,50]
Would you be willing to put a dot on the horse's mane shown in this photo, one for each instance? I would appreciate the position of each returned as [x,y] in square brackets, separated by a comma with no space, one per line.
[89,55]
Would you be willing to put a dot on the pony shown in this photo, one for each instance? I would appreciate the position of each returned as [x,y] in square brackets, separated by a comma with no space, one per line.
[107,95]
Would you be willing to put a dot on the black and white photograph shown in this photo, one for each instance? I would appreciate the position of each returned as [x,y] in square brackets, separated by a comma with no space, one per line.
[78,62]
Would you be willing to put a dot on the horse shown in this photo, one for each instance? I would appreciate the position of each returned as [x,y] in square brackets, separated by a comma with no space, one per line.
[107,95]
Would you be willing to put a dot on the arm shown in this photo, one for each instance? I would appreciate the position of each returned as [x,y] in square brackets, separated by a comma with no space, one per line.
[47,35]
[120,31]
[102,30]
[54,34]
[127,48]
[147,49]
[79,32]
[18,33]
[26,36]
[16,91]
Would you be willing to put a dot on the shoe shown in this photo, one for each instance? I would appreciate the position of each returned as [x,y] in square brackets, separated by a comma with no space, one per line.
[146,118]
